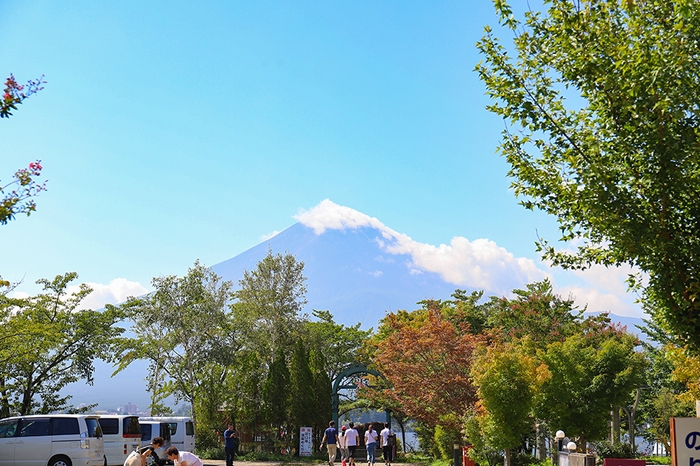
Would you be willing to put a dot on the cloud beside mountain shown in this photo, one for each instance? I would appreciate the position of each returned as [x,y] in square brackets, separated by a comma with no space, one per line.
[478,264]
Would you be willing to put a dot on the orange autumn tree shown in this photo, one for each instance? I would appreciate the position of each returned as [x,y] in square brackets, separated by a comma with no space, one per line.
[427,359]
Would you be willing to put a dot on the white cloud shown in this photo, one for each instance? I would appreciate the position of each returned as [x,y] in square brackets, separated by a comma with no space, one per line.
[481,263]
[116,292]
[331,216]
[476,264]
[377,273]
[599,301]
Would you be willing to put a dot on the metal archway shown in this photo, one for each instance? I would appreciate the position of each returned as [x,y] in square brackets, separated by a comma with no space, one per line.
[338,385]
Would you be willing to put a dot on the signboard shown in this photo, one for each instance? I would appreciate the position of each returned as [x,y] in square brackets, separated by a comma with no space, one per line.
[685,441]
[306,441]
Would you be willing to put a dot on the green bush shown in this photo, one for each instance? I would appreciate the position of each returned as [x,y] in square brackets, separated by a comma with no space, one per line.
[658,459]
[212,453]
[604,450]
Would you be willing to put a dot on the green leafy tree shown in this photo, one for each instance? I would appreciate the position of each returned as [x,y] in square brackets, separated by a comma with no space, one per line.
[536,313]
[339,344]
[184,329]
[267,316]
[601,99]
[507,382]
[48,343]
[269,303]
[660,398]
[591,374]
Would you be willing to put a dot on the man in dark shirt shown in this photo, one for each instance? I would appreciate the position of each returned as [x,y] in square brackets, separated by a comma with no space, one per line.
[330,438]
[231,440]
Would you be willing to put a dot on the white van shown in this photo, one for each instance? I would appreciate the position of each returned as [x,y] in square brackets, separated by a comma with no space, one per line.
[181,431]
[151,430]
[51,440]
[122,434]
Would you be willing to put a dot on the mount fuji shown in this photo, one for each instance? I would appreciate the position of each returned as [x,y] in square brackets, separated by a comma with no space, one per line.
[347,273]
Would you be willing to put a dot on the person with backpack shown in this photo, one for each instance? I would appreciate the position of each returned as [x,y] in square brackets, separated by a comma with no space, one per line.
[353,440]
[387,440]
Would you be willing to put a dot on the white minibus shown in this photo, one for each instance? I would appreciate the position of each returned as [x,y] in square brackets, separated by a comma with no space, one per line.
[51,440]
[181,431]
[122,435]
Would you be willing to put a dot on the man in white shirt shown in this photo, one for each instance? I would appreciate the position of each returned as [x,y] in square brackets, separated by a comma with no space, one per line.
[353,440]
[387,448]
[184,458]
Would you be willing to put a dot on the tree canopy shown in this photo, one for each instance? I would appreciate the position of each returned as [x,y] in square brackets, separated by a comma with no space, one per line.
[49,342]
[602,99]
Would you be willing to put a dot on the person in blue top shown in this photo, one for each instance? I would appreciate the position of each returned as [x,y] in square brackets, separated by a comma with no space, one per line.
[231,440]
[330,438]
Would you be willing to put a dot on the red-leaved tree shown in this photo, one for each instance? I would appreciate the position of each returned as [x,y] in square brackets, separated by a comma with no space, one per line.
[427,361]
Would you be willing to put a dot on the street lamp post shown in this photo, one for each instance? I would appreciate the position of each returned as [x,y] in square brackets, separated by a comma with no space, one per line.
[559,437]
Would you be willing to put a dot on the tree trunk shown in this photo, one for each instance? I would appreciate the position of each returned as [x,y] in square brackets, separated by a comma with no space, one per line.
[541,445]
[506,457]
[615,426]
[631,413]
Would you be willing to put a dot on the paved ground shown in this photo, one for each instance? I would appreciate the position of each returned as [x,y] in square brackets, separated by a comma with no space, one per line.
[275,463]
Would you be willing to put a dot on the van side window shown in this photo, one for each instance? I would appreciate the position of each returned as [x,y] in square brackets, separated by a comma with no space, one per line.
[146,432]
[189,428]
[173,428]
[34,428]
[131,426]
[8,428]
[64,426]
[109,426]
[93,427]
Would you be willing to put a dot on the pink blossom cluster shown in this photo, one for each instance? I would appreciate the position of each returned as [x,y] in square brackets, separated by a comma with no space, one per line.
[35,168]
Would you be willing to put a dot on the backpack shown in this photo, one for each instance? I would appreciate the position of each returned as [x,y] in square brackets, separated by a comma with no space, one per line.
[391,439]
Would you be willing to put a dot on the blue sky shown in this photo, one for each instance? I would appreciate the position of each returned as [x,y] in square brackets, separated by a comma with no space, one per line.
[175,131]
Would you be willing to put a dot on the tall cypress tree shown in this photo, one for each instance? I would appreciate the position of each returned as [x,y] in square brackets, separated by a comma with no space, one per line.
[301,384]
[276,393]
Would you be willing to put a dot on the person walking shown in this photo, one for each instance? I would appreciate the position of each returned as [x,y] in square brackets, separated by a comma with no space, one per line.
[230,441]
[330,438]
[371,438]
[385,441]
[353,440]
[343,445]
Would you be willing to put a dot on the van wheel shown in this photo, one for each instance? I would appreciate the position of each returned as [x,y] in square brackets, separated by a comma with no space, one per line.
[60,461]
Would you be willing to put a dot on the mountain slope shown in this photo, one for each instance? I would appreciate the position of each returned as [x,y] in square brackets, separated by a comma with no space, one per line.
[348,273]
